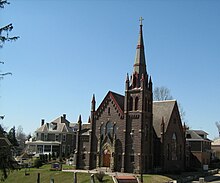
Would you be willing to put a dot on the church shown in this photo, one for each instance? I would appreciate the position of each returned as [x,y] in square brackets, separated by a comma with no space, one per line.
[131,132]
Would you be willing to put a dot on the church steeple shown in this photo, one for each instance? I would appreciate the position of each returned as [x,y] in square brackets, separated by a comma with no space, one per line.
[139,68]
[140,64]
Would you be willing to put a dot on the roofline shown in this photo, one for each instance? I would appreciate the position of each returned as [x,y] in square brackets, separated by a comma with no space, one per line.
[54,132]
[200,131]
[207,140]
[111,95]
[165,101]
[121,110]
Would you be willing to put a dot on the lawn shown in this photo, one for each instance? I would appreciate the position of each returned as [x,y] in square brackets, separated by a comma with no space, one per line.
[18,176]
[66,177]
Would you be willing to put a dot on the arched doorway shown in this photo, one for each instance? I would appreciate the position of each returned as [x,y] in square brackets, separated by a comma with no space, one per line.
[106,155]
[106,158]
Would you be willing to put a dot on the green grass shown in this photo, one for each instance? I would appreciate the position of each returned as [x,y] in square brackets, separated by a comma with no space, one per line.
[18,176]
[156,178]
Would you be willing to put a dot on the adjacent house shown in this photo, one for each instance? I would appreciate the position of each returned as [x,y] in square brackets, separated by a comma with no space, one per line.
[56,137]
[200,148]
[216,149]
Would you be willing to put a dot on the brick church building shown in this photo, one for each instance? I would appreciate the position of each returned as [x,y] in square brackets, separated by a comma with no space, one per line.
[131,132]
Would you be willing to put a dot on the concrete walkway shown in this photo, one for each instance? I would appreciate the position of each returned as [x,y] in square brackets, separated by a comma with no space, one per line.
[211,178]
[107,172]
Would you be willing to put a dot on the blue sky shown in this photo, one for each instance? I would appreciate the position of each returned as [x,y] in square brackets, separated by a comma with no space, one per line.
[69,50]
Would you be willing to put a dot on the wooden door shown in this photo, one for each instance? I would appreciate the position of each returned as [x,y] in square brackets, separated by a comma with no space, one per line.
[106,160]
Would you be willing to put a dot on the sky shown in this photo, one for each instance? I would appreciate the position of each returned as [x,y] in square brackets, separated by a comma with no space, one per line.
[69,50]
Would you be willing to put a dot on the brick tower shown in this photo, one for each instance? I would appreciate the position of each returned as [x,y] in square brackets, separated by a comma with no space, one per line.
[138,114]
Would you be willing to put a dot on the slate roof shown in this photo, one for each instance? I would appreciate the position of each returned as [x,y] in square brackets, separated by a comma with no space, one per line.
[119,99]
[162,109]
[86,126]
[195,135]
[200,132]
[191,134]
[59,125]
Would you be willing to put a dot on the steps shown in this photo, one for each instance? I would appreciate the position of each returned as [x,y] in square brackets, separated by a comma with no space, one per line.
[126,179]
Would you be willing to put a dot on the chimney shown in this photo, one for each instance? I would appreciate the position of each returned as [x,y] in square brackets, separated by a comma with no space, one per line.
[64,116]
[42,122]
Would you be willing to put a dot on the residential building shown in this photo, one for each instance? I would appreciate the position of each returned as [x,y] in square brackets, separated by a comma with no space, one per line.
[200,148]
[56,137]
[215,146]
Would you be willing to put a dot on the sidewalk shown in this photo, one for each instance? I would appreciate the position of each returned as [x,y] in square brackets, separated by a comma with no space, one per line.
[104,170]
[211,178]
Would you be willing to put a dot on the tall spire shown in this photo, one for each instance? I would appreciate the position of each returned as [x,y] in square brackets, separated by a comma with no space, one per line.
[139,63]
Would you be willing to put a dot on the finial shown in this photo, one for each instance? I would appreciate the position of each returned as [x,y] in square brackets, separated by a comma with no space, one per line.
[80,120]
[141,19]
[89,120]
[150,80]
[93,97]
[127,78]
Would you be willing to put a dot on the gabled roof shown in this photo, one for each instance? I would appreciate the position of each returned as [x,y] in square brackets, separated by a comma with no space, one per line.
[196,135]
[191,134]
[200,132]
[162,110]
[58,125]
[43,128]
[118,100]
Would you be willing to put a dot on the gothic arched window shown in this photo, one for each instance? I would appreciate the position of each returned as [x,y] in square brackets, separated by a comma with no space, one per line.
[136,103]
[134,81]
[174,147]
[131,104]
[102,131]
[109,129]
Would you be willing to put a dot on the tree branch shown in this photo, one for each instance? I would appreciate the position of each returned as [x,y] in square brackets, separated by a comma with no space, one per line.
[3,3]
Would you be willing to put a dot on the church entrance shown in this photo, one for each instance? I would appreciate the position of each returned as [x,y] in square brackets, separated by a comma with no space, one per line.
[106,158]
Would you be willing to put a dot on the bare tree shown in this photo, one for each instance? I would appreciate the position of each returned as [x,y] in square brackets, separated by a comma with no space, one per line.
[162,93]
[20,135]
[217,123]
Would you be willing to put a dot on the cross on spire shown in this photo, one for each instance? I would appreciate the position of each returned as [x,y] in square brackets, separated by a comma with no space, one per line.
[141,19]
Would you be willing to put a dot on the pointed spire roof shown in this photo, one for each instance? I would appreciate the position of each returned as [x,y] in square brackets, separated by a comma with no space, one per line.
[80,120]
[93,98]
[139,63]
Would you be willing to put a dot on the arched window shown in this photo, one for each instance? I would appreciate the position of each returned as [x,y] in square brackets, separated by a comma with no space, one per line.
[109,111]
[134,81]
[131,104]
[102,131]
[109,129]
[174,147]
[136,103]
